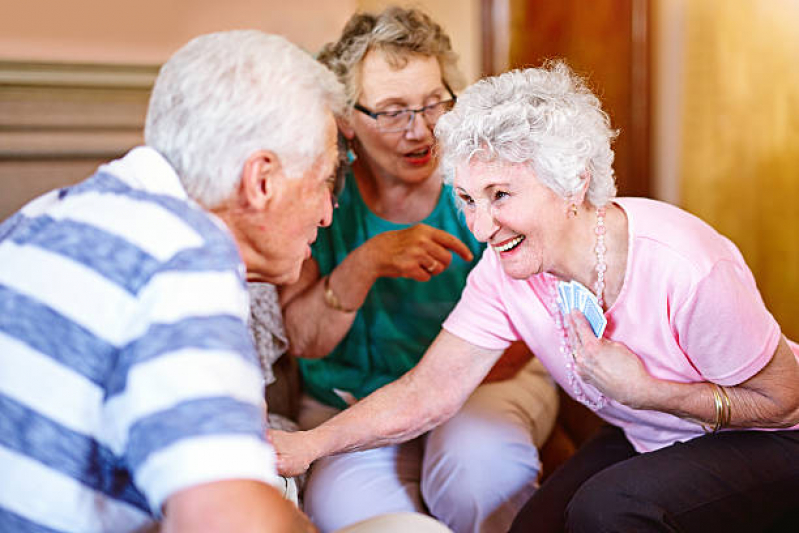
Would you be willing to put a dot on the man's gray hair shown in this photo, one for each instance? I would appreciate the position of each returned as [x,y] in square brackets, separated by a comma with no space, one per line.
[543,117]
[226,95]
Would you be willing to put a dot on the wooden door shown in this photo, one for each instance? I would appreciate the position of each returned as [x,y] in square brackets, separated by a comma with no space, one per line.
[605,41]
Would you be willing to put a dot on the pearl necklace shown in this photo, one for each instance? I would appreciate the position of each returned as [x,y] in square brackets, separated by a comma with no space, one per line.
[599,288]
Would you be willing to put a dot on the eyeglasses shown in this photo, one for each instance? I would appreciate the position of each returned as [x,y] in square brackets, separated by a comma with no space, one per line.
[401,120]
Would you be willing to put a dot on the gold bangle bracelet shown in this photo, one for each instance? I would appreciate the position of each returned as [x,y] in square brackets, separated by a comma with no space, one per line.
[719,408]
[331,300]
[717,403]
[727,417]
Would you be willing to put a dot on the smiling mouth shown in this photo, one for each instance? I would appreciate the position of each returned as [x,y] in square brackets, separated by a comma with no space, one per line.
[419,153]
[510,245]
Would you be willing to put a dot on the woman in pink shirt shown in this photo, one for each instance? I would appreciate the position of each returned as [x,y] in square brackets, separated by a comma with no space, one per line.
[639,310]
[686,347]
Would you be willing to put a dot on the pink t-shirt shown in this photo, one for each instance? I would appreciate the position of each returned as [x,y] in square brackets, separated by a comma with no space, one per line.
[689,308]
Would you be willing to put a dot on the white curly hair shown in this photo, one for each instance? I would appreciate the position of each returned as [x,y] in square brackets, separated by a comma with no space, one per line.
[545,117]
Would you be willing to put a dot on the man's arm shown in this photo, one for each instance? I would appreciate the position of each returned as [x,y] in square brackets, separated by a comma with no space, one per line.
[238,505]
[423,398]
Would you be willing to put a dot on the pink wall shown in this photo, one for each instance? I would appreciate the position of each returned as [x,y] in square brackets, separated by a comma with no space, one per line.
[148,31]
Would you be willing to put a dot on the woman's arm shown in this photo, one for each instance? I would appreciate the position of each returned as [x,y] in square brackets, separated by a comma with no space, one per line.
[770,398]
[421,399]
[313,327]
[401,253]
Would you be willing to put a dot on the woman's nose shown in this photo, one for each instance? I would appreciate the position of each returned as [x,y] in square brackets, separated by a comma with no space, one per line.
[484,225]
[418,128]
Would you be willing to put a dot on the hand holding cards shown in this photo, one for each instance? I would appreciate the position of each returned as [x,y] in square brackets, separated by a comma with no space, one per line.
[573,295]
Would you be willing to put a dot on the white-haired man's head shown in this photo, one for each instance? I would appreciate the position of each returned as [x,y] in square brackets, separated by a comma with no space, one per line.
[226,95]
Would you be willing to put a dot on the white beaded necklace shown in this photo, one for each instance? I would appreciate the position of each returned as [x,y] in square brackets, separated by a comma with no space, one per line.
[599,288]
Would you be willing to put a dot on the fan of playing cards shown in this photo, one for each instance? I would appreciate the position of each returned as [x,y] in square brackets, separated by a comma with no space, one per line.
[573,295]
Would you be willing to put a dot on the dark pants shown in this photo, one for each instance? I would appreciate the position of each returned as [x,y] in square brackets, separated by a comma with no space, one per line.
[732,481]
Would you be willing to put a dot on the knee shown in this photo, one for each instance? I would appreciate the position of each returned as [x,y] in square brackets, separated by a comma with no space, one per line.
[466,459]
[323,499]
[609,505]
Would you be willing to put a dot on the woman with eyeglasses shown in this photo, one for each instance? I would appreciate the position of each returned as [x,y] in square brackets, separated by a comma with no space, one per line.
[382,279]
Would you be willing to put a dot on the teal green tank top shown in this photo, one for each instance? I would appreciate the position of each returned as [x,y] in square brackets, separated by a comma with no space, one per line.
[400,317]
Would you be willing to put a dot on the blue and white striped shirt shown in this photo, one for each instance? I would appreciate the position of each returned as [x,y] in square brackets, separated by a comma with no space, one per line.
[127,370]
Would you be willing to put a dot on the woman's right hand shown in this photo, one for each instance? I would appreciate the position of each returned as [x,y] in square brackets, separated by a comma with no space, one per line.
[294,451]
[419,252]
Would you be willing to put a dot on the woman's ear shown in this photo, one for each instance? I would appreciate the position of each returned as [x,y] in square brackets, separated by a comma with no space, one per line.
[585,180]
[345,127]
[576,199]
[259,179]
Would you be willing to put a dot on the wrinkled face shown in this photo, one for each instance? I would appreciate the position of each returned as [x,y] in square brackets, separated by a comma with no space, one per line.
[299,206]
[404,156]
[506,206]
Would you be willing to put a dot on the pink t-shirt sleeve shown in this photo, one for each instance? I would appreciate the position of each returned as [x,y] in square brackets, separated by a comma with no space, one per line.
[725,328]
[480,316]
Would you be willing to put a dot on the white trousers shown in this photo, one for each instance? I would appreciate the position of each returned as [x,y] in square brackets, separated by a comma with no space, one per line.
[473,472]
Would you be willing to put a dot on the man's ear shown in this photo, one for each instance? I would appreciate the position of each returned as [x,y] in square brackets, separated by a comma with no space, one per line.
[259,178]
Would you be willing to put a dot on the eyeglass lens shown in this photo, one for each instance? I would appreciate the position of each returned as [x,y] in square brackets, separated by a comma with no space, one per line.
[402,120]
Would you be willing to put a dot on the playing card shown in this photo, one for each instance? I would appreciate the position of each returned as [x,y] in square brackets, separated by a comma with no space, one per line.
[564,293]
[595,317]
[579,295]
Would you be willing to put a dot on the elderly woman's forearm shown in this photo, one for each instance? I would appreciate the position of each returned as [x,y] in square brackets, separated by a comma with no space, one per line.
[768,399]
[350,282]
[420,400]
[391,415]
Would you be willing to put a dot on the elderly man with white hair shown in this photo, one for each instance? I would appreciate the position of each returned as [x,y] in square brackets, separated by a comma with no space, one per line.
[130,391]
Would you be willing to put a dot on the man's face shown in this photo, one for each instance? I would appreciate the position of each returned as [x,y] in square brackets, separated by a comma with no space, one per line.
[298,206]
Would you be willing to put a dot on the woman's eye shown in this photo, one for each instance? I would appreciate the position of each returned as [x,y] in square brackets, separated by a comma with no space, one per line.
[467,200]
[499,195]
[394,113]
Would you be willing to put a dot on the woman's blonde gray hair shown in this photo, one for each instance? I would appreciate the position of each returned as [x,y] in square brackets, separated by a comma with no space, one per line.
[546,118]
[397,32]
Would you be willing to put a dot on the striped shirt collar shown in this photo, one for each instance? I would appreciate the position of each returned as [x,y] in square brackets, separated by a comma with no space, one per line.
[145,169]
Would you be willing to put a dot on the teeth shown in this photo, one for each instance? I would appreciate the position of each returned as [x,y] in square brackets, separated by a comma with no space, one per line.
[510,245]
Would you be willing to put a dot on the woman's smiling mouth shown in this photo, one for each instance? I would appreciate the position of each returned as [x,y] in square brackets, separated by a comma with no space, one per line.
[509,244]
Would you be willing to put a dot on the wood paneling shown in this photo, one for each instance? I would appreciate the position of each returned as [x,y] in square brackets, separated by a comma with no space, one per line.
[59,121]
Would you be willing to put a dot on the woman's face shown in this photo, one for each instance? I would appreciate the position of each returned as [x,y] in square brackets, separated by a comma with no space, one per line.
[506,206]
[404,156]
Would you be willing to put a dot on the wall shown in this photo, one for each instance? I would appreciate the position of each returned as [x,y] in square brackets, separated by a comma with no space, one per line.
[75,76]
[740,136]
[148,31]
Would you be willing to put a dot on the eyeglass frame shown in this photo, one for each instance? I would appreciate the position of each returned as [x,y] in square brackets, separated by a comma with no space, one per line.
[376,114]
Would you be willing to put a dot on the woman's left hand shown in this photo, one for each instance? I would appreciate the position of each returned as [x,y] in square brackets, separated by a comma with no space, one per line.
[609,366]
